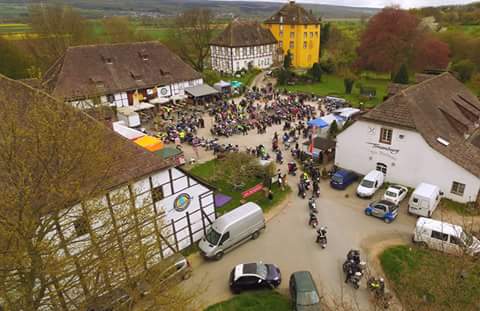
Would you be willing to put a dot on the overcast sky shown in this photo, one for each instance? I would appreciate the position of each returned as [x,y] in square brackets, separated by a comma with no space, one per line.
[378,3]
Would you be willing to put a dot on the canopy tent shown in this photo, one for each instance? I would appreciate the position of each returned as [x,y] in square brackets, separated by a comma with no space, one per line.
[236,84]
[347,113]
[121,128]
[201,90]
[319,122]
[329,118]
[178,97]
[160,100]
[221,84]
[149,142]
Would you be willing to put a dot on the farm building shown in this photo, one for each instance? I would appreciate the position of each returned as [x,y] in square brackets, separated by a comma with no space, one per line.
[146,204]
[120,75]
[241,45]
[428,132]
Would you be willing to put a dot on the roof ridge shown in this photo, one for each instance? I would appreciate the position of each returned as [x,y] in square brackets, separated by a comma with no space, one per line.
[113,44]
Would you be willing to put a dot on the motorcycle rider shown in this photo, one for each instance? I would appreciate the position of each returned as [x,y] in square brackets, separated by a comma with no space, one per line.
[322,234]
[316,188]
[311,204]
[313,221]
[378,286]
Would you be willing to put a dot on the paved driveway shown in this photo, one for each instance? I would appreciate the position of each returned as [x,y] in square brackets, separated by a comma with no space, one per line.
[289,242]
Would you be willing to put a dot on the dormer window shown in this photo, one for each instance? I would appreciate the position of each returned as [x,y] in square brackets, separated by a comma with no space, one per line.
[143,55]
[97,82]
[107,59]
[136,76]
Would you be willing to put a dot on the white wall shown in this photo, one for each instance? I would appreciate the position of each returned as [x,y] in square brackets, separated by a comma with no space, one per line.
[234,59]
[410,160]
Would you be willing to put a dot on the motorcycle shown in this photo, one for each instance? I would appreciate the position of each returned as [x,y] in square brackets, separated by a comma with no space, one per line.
[292,168]
[322,236]
[301,191]
[313,221]
[354,268]
[312,205]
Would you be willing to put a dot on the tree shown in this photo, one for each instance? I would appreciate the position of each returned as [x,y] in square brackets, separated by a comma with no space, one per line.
[59,26]
[464,69]
[341,48]
[324,36]
[283,76]
[348,83]
[43,175]
[119,29]
[190,36]
[392,38]
[14,62]
[333,129]
[287,61]
[316,72]
[431,53]
[402,75]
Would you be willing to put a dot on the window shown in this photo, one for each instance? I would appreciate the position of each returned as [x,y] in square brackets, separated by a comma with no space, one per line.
[381,167]
[251,50]
[292,35]
[304,44]
[280,43]
[305,34]
[291,44]
[81,226]
[455,240]
[439,235]
[157,194]
[457,188]
[311,34]
[110,98]
[281,33]
[225,237]
[386,136]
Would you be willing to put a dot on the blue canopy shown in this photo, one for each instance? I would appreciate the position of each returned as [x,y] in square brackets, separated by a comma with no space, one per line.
[318,123]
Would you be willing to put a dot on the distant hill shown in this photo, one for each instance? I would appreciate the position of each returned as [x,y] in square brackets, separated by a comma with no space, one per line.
[98,8]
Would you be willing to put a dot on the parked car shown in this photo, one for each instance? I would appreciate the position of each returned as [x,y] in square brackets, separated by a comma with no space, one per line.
[167,272]
[231,229]
[370,184]
[424,200]
[342,179]
[304,292]
[445,237]
[395,194]
[383,209]
[254,276]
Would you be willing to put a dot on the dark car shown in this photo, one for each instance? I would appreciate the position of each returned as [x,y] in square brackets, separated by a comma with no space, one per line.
[383,209]
[304,292]
[254,276]
[342,179]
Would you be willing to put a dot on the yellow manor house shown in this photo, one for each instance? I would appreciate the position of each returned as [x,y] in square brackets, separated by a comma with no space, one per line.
[296,30]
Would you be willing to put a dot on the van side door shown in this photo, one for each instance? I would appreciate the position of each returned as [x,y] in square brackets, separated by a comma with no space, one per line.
[225,241]
[456,245]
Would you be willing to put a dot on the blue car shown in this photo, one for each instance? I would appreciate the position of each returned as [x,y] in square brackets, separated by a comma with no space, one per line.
[342,179]
[383,209]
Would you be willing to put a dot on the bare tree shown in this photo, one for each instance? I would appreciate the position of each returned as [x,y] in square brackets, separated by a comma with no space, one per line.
[190,36]
[61,244]
[57,26]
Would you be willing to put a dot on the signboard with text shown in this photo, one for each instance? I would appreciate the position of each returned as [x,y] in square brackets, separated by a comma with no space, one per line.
[252,190]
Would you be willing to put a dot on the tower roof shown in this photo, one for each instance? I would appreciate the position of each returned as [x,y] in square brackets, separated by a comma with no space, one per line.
[292,14]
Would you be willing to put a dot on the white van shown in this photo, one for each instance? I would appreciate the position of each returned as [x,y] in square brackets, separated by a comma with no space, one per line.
[445,237]
[370,184]
[231,229]
[424,200]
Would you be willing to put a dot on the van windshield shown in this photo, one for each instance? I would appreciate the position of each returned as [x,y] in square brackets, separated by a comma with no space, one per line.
[467,239]
[338,179]
[212,236]
[367,183]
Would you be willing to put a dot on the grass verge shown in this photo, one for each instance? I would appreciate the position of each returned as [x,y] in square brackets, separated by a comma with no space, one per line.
[207,170]
[254,301]
[424,279]
[464,209]
[333,85]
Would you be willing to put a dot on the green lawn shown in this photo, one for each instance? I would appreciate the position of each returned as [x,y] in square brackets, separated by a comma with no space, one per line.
[424,279]
[333,85]
[254,301]
[459,208]
[206,171]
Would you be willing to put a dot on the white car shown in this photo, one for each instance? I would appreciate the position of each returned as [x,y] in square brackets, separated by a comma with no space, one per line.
[395,194]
